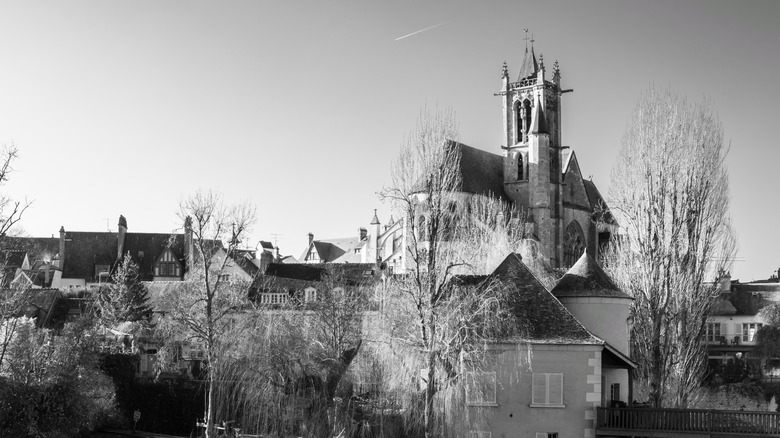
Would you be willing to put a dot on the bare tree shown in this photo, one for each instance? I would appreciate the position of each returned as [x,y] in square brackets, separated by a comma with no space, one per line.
[11,211]
[670,194]
[289,370]
[12,299]
[201,309]
[433,325]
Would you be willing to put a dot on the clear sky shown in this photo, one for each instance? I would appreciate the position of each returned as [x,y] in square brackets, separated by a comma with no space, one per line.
[126,107]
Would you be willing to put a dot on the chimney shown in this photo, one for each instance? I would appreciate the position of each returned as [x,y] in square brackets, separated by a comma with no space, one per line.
[277,257]
[122,230]
[311,238]
[188,242]
[62,250]
[363,233]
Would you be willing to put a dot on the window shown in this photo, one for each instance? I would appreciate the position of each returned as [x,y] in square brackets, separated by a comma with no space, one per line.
[224,277]
[310,295]
[101,270]
[168,269]
[547,390]
[749,331]
[546,434]
[712,333]
[614,392]
[313,255]
[481,388]
[357,250]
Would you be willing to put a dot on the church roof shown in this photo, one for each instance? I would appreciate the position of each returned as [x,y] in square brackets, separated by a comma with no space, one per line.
[481,172]
[587,279]
[597,202]
[529,67]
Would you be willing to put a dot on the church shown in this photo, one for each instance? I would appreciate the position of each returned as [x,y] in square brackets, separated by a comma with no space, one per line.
[565,213]
[533,171]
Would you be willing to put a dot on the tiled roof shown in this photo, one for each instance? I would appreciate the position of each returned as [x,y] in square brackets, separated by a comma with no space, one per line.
[481,172]
[339,250]
[145,248]
[38,248]
[722,306]
[85,249]
[587,279]
[299,276]
[542,317]
[12,258]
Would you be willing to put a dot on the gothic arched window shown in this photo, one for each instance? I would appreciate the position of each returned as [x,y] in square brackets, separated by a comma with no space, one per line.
[573,244]
[526,118]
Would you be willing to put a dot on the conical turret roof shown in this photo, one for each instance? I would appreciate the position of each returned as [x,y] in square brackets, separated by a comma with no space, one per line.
[587,279]
[538,121]
[529,67]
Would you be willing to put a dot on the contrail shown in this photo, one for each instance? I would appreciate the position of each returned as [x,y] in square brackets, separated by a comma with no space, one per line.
[422,30]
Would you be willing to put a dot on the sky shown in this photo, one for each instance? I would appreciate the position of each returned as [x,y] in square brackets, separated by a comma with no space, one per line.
[128,107]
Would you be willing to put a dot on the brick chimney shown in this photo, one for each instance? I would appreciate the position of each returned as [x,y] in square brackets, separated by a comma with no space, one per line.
[311,238]
[363,233]
[188,250]
[61,264]
[120,239]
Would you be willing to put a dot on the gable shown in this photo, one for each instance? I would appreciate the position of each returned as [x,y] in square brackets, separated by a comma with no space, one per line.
[168,265]
[574,192]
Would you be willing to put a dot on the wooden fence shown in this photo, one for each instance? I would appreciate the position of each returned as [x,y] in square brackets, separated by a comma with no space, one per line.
[688,420]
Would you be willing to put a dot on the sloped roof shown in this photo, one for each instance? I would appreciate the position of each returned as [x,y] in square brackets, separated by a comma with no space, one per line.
[340,250]
[544,318]
[145,248]
[529,67]
[12,258]
[38,248]
[298,276]
[597,202]
[722,306]
[587,279]
[85,249]
[481,172]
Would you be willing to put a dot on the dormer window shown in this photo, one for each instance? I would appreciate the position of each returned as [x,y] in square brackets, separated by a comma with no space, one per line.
[167,265]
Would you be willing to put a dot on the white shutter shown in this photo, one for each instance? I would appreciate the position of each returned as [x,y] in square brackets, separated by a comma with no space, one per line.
[539,389]
[555,389]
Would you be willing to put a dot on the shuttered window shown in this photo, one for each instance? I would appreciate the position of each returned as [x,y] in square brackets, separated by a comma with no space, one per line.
[547,390]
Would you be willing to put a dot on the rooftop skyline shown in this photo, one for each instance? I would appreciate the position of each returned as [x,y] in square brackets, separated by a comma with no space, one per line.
[300,107]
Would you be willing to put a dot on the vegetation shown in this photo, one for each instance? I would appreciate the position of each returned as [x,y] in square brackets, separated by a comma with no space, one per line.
[431,325]
[670,195]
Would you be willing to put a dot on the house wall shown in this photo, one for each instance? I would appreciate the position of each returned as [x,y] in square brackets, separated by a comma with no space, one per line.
[605,317]
[512,414]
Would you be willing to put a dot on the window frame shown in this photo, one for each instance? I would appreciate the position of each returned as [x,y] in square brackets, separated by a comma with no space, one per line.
[470,379]
[547,401]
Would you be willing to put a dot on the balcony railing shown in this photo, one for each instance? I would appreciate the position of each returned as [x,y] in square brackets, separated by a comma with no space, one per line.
[687,421]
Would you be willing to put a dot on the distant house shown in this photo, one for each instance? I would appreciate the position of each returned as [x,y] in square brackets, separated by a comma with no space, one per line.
[282,283]
[376,244]
[735,319]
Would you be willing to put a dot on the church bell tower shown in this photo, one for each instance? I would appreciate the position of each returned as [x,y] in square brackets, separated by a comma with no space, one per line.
[532,154]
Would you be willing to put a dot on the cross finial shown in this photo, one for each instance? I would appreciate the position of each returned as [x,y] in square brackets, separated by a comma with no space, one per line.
[532,41]
[526,39]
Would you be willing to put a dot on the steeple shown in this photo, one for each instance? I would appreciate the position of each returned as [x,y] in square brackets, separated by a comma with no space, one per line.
[529,67]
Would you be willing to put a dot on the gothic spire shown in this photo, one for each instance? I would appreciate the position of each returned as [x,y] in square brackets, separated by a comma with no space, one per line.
[530,67]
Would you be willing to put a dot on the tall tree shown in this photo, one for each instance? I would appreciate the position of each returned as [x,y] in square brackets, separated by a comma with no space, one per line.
[449,232]
[201,309]
[670,194]
[127,298]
